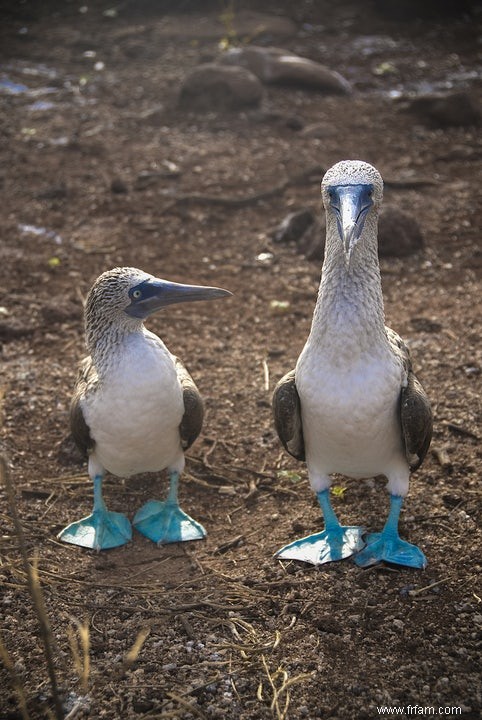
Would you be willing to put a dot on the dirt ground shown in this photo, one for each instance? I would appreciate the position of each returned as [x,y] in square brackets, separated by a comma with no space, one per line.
[94,173]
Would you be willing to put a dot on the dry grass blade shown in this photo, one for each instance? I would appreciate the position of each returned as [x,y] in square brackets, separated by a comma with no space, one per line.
[34,589]
[15,680]
[132,654]
[80,649]
[419,591]
[277,708]
[266,374]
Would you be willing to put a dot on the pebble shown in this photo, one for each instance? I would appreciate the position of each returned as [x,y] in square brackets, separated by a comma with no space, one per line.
[293,227]
[118,186]
[168,667]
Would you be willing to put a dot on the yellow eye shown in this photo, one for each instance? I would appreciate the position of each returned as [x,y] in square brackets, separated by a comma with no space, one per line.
[136,294]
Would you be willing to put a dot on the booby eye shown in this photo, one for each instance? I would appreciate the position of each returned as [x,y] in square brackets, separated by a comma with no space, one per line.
[136,294]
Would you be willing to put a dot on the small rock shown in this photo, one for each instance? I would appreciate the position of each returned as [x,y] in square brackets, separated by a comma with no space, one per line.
[293,227]
[406,589]
[56,192]
[142,705]
[14,329]
[399,234]
[279,307]
[169,667]
[265,258]
[281,67]
[211,87]
[118,186]
[458,108]
[425,324]
[328,624]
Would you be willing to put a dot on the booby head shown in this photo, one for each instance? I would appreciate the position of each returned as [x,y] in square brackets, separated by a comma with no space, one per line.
[126,296]
[352,190]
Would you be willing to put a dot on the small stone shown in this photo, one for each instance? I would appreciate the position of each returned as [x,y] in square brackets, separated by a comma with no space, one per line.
[118,186]
[265,258]
[142,705]
[293,227]
[329,625]
[424,324]
[169,667]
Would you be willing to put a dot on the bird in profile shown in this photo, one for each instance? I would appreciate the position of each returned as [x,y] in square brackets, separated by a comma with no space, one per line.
[353,405]
[135,408]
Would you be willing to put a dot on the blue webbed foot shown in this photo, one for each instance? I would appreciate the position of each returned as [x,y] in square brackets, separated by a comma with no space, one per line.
[165,522]
[332,544]
[392,549]
[101,530]
[336,542]
[387,545]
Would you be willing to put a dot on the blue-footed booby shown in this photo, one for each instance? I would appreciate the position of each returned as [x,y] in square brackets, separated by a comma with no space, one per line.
[135,407]
[353,405]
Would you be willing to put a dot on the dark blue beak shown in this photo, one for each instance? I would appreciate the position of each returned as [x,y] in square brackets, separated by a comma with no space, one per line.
[152,295]
[351,204]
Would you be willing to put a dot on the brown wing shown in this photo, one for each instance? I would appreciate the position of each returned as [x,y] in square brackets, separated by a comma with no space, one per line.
[415,411]
[287,416]
[192,419]
[86,379]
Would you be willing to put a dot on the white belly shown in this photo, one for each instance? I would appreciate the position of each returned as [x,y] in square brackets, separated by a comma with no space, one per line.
[135,413]
[350,415]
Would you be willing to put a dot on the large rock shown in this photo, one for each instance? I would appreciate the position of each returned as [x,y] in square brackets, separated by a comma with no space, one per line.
[213,87]
[276,66]
[444,110]
[293,227]
[399,233]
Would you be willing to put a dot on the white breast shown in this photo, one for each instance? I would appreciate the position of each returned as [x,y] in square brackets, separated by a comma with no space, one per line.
[135,413]
[350,412]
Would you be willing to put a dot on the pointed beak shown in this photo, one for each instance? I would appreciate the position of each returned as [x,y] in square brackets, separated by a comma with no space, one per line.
[351,204]
[154,294]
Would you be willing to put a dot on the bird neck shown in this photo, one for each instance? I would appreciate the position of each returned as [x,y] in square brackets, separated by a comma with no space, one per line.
[104,343]
[349,310]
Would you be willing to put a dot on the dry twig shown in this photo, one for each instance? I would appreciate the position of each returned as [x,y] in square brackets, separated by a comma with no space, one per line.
[80,650]
[34,589]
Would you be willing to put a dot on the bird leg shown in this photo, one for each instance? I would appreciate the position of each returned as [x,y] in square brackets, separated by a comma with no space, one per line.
[387,544]
[334,543]
[102,529]
[165,522]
